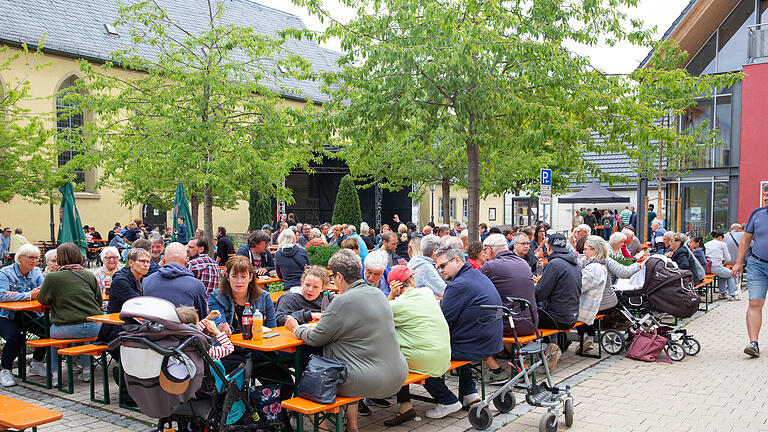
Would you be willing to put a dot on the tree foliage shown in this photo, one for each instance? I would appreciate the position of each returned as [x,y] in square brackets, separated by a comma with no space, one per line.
[27,154]
[259,210]
[346,209]
[206,110]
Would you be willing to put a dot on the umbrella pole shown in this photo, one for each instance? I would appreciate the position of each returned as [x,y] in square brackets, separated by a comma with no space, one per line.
[53,235]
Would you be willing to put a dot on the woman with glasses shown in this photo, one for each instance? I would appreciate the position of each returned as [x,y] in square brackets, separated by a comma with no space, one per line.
[682,256]
[74,295]
[110,257]
[19,282]
[126,284]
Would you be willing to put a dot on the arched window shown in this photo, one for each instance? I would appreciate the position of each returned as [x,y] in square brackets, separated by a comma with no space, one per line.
[69,126]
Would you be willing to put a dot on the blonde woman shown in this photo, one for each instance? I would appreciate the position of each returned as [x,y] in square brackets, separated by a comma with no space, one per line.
[402,241]
[593,277]
[290,260]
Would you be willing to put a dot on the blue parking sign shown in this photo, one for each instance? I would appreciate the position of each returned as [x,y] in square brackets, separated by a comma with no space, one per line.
[546,177]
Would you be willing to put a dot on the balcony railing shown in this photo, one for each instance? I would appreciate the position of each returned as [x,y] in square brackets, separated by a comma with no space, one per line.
[758,43]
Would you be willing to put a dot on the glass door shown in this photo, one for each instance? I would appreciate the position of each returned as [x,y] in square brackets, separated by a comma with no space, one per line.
[697,208]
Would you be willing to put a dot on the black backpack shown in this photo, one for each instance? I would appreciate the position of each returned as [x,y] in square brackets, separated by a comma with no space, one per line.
[670,289]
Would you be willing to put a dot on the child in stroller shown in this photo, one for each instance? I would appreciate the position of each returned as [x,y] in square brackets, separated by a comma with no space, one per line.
[171,375]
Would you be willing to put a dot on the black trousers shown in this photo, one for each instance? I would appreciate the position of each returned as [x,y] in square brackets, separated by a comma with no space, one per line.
[266,374]
[547,322]
[10,330]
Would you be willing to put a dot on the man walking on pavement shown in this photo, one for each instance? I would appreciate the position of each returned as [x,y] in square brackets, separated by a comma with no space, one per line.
[756,234]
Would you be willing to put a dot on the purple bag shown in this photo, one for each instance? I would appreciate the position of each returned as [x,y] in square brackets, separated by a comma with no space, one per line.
[647,346]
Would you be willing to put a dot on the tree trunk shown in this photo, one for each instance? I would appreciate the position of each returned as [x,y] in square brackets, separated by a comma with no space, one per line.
[208,216]
[194,204]
[473,190]
[446,210]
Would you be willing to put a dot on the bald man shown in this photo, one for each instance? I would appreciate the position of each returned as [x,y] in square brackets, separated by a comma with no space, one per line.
[175,283]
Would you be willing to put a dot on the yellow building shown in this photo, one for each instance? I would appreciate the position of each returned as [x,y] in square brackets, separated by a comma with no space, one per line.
[82,29]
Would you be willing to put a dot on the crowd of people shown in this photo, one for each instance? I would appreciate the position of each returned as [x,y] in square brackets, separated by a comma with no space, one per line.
[407,300]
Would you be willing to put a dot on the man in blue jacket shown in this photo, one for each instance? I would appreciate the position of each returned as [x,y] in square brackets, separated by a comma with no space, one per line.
[474,334]
[175,283]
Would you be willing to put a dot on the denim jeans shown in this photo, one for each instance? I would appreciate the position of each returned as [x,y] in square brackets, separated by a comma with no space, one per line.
[757,278]
[439,391]
[726,279]
[74,331]
[10,330]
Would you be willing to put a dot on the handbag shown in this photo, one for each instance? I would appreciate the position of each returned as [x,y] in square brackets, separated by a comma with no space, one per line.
[647,346]
[708,267]
[321,378]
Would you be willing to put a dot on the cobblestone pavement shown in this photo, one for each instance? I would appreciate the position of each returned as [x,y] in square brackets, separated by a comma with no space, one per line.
[720,389]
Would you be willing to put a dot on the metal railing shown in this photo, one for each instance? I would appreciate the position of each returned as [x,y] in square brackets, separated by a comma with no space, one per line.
[758,42]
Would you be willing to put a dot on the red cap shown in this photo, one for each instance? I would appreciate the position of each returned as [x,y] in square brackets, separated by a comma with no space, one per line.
[399,273]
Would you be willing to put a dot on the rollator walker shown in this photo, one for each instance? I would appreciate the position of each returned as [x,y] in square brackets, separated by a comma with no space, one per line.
[538,395]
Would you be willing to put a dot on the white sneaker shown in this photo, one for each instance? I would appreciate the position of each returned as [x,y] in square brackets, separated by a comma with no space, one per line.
[470,399]
[440,410]
[6,378]
[85,376]
[37,368]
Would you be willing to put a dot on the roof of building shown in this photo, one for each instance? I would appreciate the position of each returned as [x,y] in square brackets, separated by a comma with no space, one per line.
[670,30]
[77,28]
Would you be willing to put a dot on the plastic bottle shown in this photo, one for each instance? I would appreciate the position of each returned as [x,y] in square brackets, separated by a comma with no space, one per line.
[248,322]
[324,304]
[258,325]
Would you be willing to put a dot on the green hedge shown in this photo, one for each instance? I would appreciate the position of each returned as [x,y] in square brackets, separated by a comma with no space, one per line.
[319,255]
[346,209]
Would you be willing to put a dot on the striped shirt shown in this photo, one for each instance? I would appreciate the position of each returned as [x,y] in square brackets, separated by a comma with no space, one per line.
[223,349]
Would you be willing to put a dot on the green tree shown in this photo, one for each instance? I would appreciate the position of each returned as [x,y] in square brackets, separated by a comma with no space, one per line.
[495,75]
[346,209]
[205,110]
[27,154]
[260,211]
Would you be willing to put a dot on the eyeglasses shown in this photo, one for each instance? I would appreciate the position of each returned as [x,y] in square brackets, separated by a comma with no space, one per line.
[442,266]
[143,261]
[110,257]
[241,276]
[31,257]
[522,244]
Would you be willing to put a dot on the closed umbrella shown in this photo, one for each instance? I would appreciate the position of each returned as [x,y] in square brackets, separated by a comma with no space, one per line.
[70,226]
[181,208]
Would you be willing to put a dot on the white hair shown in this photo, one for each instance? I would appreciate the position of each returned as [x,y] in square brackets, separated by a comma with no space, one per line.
[351,229]
[376,260]
[50,254]
[286,238]
[617,238]
[669,235]
[583,227]
[464,233]
[104,251]
[315,233]
[656,222]
[26,250]
[364,229]
[628,232]
[429,244]
[453,241]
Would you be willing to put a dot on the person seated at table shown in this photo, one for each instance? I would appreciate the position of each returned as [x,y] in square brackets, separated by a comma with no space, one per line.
[632,244]
[717,252]
[188,315]
[696,244]
[467,290]
[50,262]
[110,258]
[131,233]
[74,295]
[358,330]
[176,283]
[476,254]
[256,252]
[682,256]
[657,236]
[558,292]
[304,306]
[424,265]
[145,244]
[290,260]
[351,244]
[126,284]
[235,290]
[20,281]
[316,238]
[422,333]
[616,245]
[117,240]
[593,280]
[337,236]
[376,270]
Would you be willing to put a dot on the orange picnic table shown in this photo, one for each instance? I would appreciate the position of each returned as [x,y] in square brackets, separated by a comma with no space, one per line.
[269,280]
[30,306]
[112,318]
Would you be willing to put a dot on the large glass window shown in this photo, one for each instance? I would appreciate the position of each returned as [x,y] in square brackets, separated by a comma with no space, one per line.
[720,207]
[704,62]
[732,37]
[508,206]
[68,127]
[763,11]
[721,153]
[696,208]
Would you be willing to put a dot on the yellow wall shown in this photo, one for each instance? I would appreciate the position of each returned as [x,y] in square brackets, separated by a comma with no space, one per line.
[459,194]
[100,208]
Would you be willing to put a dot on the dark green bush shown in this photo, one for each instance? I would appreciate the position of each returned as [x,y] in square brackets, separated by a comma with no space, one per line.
[319,255]
[346,209]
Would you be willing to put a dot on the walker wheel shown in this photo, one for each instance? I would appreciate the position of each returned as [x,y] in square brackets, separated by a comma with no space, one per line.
[568,411]
[480,418]
[675,351]
[548,422]
[691,346]
[505,401]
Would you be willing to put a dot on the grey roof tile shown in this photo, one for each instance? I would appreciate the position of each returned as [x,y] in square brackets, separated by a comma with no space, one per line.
[76,28]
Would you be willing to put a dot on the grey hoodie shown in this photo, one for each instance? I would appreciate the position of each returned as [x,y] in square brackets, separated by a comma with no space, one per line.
[427,275]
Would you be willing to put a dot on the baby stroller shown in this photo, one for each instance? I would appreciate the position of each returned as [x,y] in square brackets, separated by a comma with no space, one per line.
[543,394]
[170,375]
[667,289]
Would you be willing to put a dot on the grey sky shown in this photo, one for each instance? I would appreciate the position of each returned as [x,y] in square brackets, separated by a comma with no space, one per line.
[619,59]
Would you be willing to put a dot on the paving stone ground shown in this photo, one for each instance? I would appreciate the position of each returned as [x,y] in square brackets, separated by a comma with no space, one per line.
[720,389]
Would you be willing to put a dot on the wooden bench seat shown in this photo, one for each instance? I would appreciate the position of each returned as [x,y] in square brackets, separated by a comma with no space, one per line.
[18,415]
[89,349]
[57,343]
[98,351]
